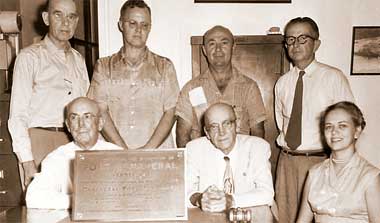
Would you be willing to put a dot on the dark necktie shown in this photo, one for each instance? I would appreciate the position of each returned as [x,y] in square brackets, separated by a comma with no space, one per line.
[293,134]
[228,179]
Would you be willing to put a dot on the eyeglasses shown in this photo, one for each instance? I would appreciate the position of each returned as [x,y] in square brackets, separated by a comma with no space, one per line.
[60,16]
[301,39]
[134,25]
[214,127]
[87,117]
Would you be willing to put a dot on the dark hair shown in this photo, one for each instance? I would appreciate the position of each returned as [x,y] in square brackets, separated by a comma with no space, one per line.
[306,20]
[133,4]
[354,111]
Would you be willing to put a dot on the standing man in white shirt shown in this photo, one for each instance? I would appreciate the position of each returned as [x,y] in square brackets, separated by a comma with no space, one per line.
[52,188]
[47,75]
[226,169]
[301,95]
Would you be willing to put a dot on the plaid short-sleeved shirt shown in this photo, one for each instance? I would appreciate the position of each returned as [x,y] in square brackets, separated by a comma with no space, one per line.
[241,92]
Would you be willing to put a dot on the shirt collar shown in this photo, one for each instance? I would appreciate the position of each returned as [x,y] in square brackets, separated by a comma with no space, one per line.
[122,58]
[235,75]
[51,47]
[309,69]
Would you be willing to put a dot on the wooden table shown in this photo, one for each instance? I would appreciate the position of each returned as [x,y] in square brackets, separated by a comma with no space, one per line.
[261,214]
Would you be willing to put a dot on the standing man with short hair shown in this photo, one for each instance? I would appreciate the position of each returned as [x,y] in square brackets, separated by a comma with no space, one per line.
[221,82]
[301,95]
[47,75]
[136,89]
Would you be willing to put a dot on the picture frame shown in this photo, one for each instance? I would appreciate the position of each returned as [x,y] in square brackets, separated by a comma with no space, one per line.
[365,56]
[242,1]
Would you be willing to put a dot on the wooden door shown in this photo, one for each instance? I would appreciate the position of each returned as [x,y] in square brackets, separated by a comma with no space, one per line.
[262,58]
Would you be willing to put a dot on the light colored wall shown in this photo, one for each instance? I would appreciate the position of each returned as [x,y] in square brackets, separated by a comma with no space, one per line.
[175,21]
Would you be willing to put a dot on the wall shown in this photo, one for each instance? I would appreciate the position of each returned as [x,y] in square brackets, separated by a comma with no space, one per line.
[175,21]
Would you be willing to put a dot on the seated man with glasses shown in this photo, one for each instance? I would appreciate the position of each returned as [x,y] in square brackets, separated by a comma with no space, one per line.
[226,169]
[52,188]
[300,97]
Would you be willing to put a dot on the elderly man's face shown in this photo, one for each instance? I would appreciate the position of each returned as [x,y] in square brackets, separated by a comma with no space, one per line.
[135,25]
[84,123]
[62,19]
[218,47]
[220,128]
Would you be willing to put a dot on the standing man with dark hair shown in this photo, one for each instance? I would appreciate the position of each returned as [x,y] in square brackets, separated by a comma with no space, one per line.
[136,89]
[47,75]
[301,95]
[221,82]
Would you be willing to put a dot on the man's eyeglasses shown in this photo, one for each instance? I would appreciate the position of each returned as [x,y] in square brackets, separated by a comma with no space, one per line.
[87,117]
[214,127]
[60,16]
[301,39]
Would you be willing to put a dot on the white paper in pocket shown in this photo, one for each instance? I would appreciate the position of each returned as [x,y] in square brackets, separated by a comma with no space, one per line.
[197,96]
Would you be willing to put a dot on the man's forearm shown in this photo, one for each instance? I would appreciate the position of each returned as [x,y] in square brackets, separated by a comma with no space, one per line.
[162,130]
[183,132]
[111,133]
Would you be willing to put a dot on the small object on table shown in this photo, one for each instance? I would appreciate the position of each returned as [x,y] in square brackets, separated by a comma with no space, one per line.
[239,215]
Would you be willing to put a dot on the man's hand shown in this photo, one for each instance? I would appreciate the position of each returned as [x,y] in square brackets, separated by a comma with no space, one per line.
[214,200]
[29,170]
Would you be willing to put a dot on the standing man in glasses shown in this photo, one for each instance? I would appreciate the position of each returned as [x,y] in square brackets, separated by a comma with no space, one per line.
[300,97]
[47,76]
[135,88]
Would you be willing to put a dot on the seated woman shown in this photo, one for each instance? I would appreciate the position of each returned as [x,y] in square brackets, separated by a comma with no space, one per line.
[344,188]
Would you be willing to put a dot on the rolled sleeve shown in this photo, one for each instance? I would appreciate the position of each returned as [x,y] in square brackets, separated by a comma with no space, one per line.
[184,109]
[19,119]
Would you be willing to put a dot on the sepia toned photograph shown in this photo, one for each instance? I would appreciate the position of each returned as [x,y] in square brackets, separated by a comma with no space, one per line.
[365,50]
[242,1]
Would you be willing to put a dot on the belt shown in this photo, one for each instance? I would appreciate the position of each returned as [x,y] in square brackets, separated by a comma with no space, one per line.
[53,129]
[304,153]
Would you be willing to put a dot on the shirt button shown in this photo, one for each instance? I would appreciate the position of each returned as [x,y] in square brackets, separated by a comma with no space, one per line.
[133,83]
[132,112]
[69,93]
[132,126]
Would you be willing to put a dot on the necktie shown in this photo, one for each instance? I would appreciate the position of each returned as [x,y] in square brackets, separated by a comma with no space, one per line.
[228,178]
[293,134]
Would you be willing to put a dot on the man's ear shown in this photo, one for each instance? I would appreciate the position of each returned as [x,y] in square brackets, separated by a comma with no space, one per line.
[67,125]
[206,132]
[204,50]
[120,25]
[45,18]
[101,123]
[317,43]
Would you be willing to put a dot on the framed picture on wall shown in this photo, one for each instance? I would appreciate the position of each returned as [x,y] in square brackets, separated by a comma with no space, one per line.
[365,58]
[242,1]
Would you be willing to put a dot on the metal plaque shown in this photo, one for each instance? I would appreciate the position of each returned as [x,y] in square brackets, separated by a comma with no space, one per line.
[129,185]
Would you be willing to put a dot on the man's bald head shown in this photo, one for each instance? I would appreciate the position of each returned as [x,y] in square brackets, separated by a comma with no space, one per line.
[220,126]
[220,29]
[224,109]
[84,122]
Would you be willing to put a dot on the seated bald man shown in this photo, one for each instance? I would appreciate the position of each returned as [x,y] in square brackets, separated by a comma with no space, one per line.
[52,187]
[226,169]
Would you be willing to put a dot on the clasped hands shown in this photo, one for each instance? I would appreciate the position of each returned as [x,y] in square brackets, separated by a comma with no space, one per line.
[214,199]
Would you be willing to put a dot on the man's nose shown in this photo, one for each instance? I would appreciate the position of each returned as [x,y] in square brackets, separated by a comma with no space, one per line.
[81,122]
